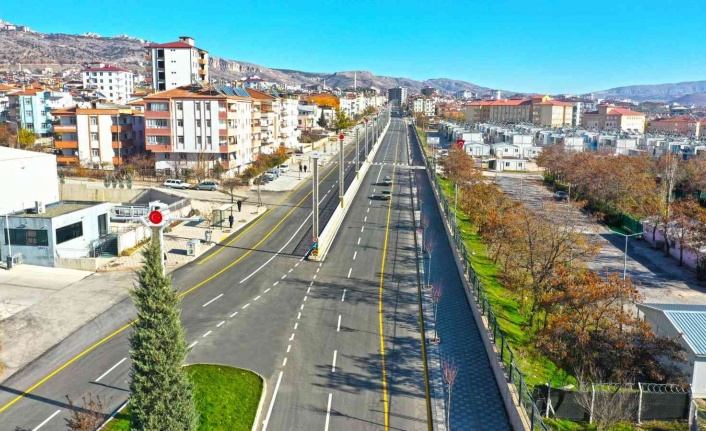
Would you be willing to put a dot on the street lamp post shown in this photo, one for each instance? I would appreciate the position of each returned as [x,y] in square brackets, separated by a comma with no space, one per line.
[341,169]
[366,138]
[357,154]
[315,194]
[625,254]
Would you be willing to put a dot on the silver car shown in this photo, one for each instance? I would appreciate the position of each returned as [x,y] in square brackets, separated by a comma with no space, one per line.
[207,185]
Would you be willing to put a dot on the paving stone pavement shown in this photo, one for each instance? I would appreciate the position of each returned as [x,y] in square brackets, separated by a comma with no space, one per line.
[475,402]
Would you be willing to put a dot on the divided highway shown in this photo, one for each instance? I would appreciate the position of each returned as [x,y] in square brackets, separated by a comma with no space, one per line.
[316,332]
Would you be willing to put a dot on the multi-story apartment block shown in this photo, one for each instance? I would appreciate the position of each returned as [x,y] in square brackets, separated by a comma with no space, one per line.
[196,126]
[289,133]
[176,64]
[114,83]
[31,108]
[102,135]
[266,122]
[610,118]
[510,111]
[424,105]
[685,125]
[552,113]
[397,96]
[4,100]
[465,94]
[308,117]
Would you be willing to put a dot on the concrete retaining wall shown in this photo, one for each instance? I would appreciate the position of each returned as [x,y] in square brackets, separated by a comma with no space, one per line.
[97,192]
[84,264]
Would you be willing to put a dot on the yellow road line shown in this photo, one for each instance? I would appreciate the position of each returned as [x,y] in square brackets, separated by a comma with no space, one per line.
[118,331]
[385,397]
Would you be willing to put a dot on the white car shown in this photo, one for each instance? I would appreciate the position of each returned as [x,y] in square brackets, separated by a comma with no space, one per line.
[284,168]
[176,184]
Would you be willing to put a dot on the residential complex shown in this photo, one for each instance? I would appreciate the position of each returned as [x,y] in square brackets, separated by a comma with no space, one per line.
[608,117]
[423,105]
[31,108]
[175,64]
[397,96]
[684,125]
[113,83]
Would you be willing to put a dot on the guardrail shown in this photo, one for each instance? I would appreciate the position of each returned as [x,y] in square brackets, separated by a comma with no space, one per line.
[523,396]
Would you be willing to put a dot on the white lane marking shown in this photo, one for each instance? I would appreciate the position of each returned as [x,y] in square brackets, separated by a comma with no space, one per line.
[272,403]
[362,228]
[365,220]
[284,363]
[296,325]
[267,290]
[297,264]
[111,369]
[317,270]
[47,420]
[314,277]
[299,315]
[246,306]
[338,328]
[370,202]
[290,271]
[283,277]
[292,337]
[280,250]
[302,307]
[349,272]
[311,284]
[308,289]
[333,366]
[217,297]
[321,264]
[343,298]
[220,324]
[328,412]
[305,298]
[276,283]
[191,346]
[233,315]
[257,297]
[355,254]
[373,190]
[206,334]
[289,348]
[368,210]
[358,241]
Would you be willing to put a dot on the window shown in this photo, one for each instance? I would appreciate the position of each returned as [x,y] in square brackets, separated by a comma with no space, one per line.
[94,152]
[208,140]
[67,233]
[157,123]
[94,121]
[167,156]
[179,106]
[94,136]
[27,237]
[28,113]
[208,123]
[180,123]
[158,107]
[158,140]
[28,101]
[182,156]
[198,123]
[197,105]
[208,106]
[198,140]
[507,164]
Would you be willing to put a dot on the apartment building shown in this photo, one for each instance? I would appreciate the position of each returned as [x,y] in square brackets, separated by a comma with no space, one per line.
[100,136]
[552,113]
[31,108]
[684,125]
[198,126]
[423,105]
[176,64]
[266,123]
[608,117]
[4,100]
[289,121]
[509,111]
[113,83]
[397,96]
[308,117]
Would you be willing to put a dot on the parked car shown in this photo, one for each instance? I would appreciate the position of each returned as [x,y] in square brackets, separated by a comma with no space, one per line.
[267,176]
[387,181]
[207,185]
[176,184]
[561,196]
[284,168]
[275,172]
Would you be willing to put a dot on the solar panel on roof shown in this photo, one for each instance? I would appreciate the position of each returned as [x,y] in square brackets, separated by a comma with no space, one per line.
[241,92]
[229,91]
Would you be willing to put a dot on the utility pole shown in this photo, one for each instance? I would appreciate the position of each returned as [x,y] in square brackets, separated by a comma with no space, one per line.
[341,169]
[315,198]
[366,138]
[357,153]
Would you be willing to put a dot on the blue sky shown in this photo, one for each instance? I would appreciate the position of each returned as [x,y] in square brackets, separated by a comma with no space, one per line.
[552,46]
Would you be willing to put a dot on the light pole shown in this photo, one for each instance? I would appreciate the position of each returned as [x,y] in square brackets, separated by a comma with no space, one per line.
[366,139]
[357,154]
[315,198]
[625,254]
[341,169]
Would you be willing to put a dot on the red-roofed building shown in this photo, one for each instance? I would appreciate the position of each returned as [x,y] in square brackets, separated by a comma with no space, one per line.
[114,84]
[608,117]
[176,64]
[552,113]
[684,125]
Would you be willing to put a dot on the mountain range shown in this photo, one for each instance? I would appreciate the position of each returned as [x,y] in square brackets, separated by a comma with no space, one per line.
[34,49]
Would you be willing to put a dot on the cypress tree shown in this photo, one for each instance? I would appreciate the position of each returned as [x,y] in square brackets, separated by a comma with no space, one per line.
[162,395]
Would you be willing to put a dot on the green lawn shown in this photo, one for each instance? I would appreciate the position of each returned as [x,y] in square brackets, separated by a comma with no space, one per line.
[226,399]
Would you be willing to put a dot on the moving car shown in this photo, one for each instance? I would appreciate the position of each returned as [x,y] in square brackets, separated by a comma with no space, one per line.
[284,168]
[176,184]
[207,185]
[386,195]
[387,180]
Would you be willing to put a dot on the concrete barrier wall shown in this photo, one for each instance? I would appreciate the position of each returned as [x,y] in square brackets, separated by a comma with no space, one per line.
[84,264]
[97,192]
[329,233]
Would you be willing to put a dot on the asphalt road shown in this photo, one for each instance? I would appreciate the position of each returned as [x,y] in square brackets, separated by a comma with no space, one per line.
[245,304]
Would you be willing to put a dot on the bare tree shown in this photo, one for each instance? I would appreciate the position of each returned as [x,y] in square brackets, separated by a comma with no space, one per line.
[607,405]
[89,416]
[449,371]
[436,294]
[429,243]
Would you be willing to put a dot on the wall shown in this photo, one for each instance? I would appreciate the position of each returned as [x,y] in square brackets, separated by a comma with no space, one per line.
[89,218]
[689,258]
[26,177]
[96,192]
[34,255]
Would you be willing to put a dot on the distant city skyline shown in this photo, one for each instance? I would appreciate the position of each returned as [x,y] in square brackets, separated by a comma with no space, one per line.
[540,46]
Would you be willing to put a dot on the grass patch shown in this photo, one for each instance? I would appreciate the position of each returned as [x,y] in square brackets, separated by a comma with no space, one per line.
[565,425]
[226,399]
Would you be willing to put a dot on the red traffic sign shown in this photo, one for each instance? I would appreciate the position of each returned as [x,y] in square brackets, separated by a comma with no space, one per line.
[341,136]
[155,217]
[459,143]
[366,119]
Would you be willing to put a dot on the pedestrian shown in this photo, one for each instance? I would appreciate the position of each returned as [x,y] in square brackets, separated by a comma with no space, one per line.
[240,204]
[231,219]
[304,168]
[300,166]
[165,257]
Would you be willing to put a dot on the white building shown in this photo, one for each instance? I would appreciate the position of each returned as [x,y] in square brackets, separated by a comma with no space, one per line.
[114,83]
[37,174]
[424,105]
[175,64]
[289,130]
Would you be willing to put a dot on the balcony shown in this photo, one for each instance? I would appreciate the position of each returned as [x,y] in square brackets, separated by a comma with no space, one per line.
[64,128]
[149,68]
[72,145]
[67,160]
[115,128]
[202,61]
[148,57]
[202,72]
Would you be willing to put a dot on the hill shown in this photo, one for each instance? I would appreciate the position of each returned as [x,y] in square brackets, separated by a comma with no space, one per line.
[655,93]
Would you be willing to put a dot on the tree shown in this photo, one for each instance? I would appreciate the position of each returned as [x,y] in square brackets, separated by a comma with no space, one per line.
[608,405]
[449,371]
[687,228]
[429,243]
[162,395]
[231,184]
[436,294]
[460,167]
[322,120]
[7,138]
[89,417]
[26,138]
[341,121]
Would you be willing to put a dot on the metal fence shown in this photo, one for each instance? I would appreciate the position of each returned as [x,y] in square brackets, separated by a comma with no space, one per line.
[507,356]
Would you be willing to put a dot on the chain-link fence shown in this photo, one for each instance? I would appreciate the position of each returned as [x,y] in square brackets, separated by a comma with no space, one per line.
[526,399]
